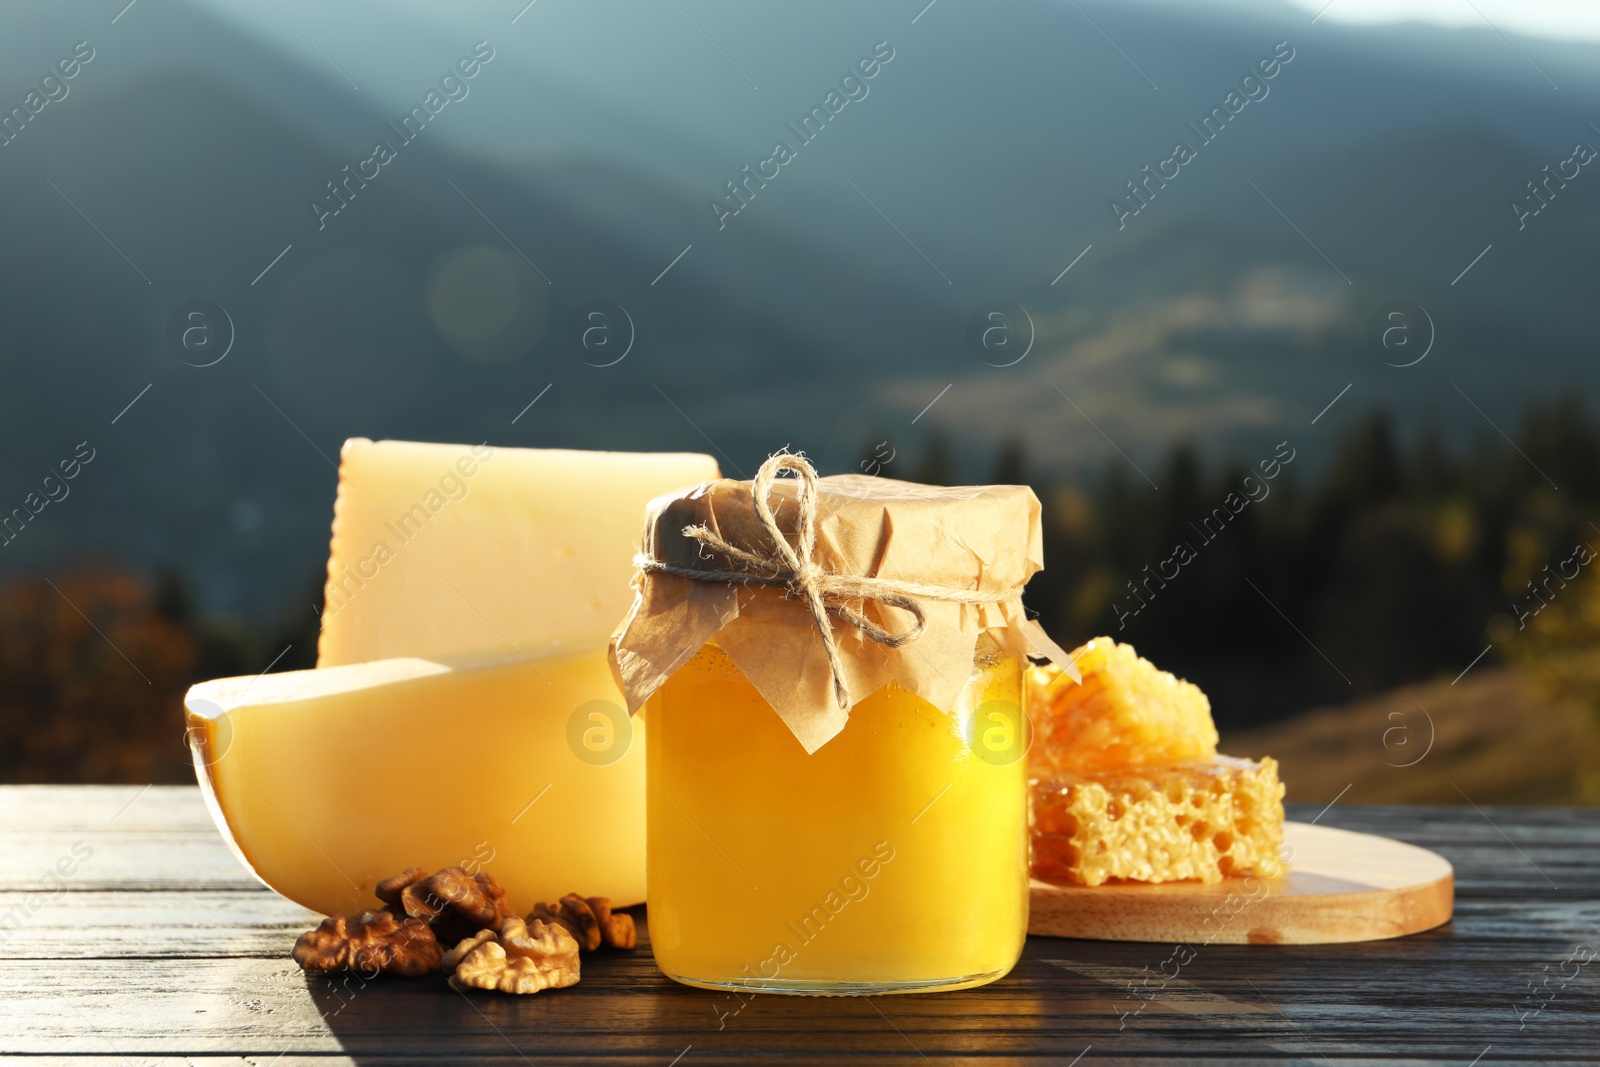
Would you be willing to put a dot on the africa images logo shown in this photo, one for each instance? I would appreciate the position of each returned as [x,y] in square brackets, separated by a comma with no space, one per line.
[1252,88]
[853,87]
[454,89]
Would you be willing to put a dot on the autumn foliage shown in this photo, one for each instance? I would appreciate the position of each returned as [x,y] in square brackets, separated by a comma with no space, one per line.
[92,677]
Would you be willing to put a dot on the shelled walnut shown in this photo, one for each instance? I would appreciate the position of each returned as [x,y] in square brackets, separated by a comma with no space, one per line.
[590,921]
[494,949]
[389,889]
[521,958]
[371,941]
[452,901]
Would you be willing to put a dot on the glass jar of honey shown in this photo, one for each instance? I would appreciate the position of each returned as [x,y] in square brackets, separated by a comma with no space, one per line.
[800,840]
[895,857]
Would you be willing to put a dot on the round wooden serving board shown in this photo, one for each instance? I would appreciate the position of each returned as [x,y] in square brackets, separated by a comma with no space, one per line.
[1341,886]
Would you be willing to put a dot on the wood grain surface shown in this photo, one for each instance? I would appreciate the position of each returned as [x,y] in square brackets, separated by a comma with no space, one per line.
[159,949]
[1341,886]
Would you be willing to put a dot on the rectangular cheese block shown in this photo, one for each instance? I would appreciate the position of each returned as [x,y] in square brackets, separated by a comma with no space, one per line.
[329,780]
[443,550]
[1201,821]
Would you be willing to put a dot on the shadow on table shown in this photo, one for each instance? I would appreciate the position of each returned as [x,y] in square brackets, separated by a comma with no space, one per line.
[1297,1001]
[623,1007]
[1063,997]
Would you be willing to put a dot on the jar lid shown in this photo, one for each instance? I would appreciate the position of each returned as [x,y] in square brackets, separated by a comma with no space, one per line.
[823,590]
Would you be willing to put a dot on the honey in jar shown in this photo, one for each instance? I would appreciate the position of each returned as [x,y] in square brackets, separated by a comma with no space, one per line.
[844,819]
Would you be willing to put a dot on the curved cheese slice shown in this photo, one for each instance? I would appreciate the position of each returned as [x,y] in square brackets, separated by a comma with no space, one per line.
[327,781]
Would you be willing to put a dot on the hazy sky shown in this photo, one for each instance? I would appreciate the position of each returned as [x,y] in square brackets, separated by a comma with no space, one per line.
[1561,20]
[1553,19]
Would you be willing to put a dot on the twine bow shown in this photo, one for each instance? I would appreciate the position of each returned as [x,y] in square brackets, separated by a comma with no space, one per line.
[791,568]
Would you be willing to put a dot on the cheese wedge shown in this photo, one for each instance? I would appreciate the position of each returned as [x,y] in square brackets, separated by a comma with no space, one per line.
[327,781]
[443,550]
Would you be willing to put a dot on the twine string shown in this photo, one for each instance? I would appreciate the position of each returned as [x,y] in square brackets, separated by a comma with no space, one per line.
[825,593]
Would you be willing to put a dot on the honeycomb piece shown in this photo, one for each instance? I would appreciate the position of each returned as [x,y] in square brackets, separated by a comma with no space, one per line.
[1200,821]
[1125,714]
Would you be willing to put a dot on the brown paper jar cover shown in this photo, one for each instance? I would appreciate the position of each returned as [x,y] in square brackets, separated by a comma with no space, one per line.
[983,539]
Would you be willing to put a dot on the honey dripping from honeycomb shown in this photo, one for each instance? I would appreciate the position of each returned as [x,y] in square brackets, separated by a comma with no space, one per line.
[1127,785]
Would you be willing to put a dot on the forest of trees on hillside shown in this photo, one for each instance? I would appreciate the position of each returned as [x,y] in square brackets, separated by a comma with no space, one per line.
[1295,586]
[1396,561]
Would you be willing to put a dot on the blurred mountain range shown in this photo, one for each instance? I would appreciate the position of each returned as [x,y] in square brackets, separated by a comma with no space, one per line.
[826,315]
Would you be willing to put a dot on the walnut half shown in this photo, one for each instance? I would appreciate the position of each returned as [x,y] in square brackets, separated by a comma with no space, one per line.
[452,901]
[521,958]
[371,941]
[590,921]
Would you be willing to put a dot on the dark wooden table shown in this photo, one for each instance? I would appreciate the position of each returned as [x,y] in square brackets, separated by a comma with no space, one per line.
[157,947]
